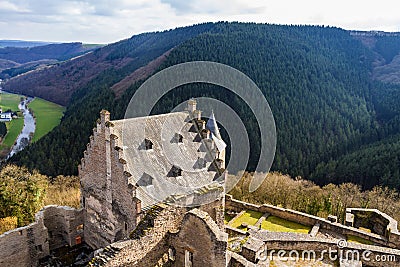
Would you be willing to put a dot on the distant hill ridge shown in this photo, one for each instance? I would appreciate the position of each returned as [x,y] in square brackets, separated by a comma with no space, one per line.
[22,43]
[49,51]
[375,33]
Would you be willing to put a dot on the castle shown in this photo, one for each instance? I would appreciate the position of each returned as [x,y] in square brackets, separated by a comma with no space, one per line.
[143,204]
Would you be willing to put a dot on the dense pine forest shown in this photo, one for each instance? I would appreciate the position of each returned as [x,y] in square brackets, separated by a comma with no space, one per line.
[336,110]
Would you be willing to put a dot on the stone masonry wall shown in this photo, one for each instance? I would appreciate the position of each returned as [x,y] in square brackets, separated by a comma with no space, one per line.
[310,220]
[24,246]
[147,250]
[107,197]
[123,193]
[64,226]
[202,237]
[373,255]
[94,190]
[216,210]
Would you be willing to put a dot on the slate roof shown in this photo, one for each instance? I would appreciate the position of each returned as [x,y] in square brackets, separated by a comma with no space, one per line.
[155,170]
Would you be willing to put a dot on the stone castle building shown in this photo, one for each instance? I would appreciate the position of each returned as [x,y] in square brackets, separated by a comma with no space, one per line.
[132,165]
[152,195]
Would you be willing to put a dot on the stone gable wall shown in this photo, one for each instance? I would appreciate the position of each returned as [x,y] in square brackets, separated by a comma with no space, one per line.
[108,198]
[98,226]
[123,193]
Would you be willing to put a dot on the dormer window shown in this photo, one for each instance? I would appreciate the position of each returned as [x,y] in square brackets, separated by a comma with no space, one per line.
[148,144]
[179,138]
[175,171]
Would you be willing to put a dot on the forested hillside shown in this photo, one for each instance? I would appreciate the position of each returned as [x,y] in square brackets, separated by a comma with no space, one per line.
[102,68]
[335,123]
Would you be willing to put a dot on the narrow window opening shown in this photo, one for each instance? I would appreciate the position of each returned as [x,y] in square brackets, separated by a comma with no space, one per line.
[171,253]
[179,137]
[148,144]
[175,171]
[188,258]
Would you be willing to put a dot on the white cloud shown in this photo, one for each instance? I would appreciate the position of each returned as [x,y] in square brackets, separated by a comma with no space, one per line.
[101,21]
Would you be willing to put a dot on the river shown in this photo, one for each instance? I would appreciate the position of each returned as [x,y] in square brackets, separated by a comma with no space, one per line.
[25,136]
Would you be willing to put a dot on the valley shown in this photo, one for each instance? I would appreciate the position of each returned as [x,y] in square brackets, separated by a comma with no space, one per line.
[34,118]
[333,94]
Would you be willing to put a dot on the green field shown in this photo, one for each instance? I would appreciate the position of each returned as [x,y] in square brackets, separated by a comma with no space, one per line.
[47,116]
[9,101]
[276,224]
[14,127]
[250,217]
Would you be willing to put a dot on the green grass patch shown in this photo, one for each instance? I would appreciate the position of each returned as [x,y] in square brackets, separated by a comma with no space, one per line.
[250,217]
[47,116]
[276,224]
[9,101]
[14,128]
[359,240]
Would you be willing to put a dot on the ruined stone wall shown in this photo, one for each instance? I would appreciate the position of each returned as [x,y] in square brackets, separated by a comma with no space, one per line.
[175,231]
[24,246]
[202,237]
[373,257]
[149,248]
[216,210]
[64,226]
[310,220]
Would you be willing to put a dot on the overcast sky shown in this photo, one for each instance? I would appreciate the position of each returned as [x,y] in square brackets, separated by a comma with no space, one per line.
[106,21]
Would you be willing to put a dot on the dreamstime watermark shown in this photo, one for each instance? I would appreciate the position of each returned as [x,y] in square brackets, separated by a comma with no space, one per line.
[158,85]
[341,253]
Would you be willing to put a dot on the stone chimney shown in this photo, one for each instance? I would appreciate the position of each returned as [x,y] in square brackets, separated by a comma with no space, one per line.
[192,103]
[104,117]
[196,114]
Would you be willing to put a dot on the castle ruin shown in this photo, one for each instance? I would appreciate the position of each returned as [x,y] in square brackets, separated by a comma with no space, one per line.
[142,205]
